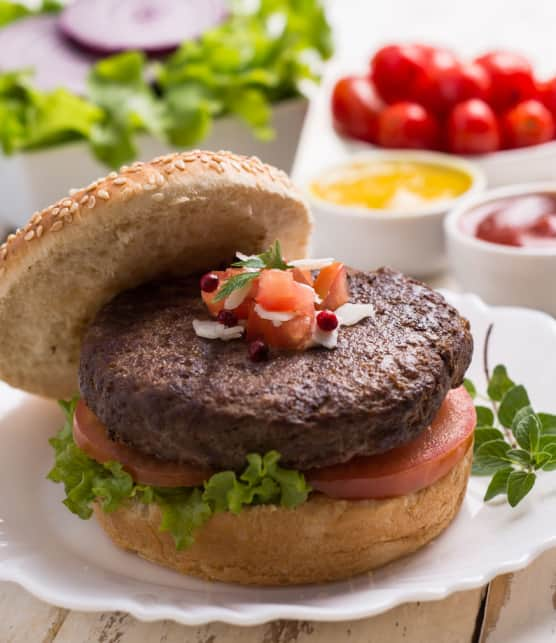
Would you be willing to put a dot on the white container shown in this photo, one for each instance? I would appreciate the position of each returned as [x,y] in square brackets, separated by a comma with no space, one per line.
[412,242]
[502,274]
[31,181]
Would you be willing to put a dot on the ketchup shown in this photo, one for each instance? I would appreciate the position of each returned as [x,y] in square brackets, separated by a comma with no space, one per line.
[527,220]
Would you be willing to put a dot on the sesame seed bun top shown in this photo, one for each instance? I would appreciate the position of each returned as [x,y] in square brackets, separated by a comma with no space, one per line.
[178,214]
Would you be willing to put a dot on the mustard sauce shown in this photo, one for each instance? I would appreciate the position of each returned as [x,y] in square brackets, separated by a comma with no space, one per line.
[391,185]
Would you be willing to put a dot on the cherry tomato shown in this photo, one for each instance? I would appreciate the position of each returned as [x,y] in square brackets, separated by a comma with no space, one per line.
[396,70]
[528,123]
[439,63]
[355,108]
[408,468]
[511,78]
[407,125]
[332,287]
[472,128]
[91,437]
[457,83]
[547,95]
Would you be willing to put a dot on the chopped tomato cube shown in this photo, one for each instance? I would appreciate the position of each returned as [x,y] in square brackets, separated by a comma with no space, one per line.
[331,286]
[303,276]
[277,290]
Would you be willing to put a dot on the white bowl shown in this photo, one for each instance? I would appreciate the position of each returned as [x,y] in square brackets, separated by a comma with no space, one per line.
[412,242]
[502,274]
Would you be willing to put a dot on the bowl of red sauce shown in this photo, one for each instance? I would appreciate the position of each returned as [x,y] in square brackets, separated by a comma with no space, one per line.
[502,245]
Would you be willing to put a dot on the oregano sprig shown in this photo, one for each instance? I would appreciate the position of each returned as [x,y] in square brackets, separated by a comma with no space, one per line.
[271,258]
[513,443]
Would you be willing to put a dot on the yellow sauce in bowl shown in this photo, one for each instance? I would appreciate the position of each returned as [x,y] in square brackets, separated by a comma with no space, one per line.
[403,186]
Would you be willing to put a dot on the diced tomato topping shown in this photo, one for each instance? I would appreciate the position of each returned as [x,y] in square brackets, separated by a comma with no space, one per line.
[408,468]
[214,307]
[331,286]
[277,290]
[303,276]
[91,436]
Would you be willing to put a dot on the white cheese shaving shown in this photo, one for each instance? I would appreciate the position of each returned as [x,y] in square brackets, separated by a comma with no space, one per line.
[276,317]
[209,329]
[350,314]
[237,297]
[312,264]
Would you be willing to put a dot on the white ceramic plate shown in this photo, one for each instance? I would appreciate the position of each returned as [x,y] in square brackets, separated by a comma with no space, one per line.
[71,563]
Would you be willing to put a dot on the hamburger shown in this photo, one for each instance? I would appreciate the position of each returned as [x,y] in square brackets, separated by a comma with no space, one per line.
[234,411]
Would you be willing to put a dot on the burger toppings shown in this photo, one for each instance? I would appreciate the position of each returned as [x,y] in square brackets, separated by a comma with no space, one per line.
[215,330]
[285,305]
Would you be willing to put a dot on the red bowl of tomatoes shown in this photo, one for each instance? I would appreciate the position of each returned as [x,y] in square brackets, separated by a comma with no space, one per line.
[416,96]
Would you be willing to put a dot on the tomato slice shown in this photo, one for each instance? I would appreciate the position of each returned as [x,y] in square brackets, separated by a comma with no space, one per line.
[91,436]
[303,276]
[407,468]
[332,287]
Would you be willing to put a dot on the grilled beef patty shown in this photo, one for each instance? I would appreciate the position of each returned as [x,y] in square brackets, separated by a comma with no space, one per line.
[160,388]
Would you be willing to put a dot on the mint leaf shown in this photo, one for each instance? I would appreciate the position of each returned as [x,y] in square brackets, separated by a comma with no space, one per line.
[514,399]
[520,484]
[470,388]
[486,434]
[485,417]
[527,431]
[520,456]
[499,483]
[548,423]
[499,383]
[235,283]
[490,457]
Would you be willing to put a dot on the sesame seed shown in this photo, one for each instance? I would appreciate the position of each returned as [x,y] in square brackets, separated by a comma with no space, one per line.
[189,159]
[73,191]
[63,212]
[126,193]
[179,164]
[54,211]
[74,207]
[158,196]
[169,169]
[58,225]
[103,194]
[134,168]
[112,175]
[124,168]
[84,199]
[11,237]
[148,187]
[160,180]
[235,165]
[39,231]
[36,218]
[91,203]
[66,203]
[29,235]
[152,179]
[121,180]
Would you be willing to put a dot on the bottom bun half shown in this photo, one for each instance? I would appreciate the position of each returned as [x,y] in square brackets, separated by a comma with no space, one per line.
[322,540]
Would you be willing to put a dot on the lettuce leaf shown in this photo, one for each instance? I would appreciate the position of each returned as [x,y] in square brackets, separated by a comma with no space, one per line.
[183,509]
[12,11]
[241,67]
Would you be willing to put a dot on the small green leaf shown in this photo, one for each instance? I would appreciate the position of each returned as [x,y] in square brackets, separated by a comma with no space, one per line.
[548,423]
[542,458]
[485,417]
[499,483]
[470,388]
[514,399]
[519,456]
[499,383]
[486,434]
[491,456]
[235,283]
[527,432]
[520,484]
[547,441]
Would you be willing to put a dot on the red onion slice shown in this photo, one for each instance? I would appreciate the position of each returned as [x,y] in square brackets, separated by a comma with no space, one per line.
[36,43]
[155,27]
